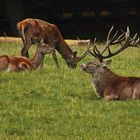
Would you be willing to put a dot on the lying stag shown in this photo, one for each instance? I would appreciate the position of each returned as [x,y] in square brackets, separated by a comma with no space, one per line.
[19,63]
[107,84]
[33,30]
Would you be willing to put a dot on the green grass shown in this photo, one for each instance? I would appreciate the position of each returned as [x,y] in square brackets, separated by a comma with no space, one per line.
[52,104]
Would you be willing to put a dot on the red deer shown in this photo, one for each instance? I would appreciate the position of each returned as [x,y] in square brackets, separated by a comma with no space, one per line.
[84,42]
[20,63]
[33,30]
[107,84]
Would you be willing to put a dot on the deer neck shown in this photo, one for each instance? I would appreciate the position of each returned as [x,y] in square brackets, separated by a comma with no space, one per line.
[65,50]
[103,79]
[37,60]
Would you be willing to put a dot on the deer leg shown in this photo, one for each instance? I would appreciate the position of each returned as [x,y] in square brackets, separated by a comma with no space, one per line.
[24,50]
[53,45]
[55,59]
[24,53]
[41,65]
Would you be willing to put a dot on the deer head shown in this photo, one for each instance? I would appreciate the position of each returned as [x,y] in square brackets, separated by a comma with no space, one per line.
[124,39]
[73,60]
[96,66]
[44,48]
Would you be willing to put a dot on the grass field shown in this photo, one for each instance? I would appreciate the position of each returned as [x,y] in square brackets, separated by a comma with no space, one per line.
[52,104]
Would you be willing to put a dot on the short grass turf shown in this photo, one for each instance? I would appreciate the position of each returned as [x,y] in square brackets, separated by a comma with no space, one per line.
[52,104]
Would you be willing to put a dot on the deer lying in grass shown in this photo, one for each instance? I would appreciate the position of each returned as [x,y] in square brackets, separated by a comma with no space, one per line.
[107,84]
[32,30]
[19,63]
[84,42]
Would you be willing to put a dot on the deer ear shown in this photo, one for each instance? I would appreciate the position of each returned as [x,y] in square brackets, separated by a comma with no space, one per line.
[108,62]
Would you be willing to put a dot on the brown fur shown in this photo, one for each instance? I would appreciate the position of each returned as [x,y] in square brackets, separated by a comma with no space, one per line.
[33,30]
[4,62]
[111,86]
[15,63]
[20,63]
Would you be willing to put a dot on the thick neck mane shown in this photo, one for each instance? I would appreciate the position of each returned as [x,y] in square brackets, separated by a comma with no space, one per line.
[104,79]
[109,74]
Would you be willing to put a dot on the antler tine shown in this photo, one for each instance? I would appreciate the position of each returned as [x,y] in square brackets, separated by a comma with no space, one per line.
[108,40]
[134,41]
[109,33]
[98,54]
[86,52]
[135,36]
[84,55]
[127,33]
[114,36]
[94,49]
[119,39]
[92,54]
[112,41]
[95,52]
[125,40]
[128,42]
[137,41]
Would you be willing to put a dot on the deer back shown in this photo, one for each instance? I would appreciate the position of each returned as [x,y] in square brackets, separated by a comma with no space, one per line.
[19,63]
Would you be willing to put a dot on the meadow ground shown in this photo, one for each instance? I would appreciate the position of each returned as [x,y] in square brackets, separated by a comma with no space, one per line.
[52,104]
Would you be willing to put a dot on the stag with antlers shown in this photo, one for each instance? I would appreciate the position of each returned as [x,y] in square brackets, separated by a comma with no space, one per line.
[33,30]
[107,84]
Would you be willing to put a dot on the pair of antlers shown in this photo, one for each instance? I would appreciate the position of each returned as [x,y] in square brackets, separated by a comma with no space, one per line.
[124,39]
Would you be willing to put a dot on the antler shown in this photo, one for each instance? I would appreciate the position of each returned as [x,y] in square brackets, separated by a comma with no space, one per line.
[83,55]
[88,51]
[125,40]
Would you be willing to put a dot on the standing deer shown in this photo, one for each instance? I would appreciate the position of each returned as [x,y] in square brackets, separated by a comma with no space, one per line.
[33,30]
[19,63]
[107,84]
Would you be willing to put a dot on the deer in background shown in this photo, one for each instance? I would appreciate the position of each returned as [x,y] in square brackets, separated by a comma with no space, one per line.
[107,84]
[83,42]
[33,30]
[19,63]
